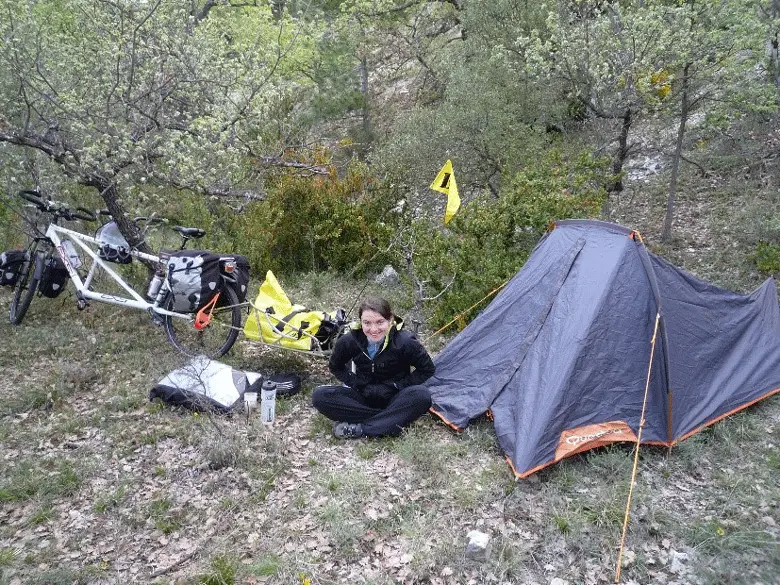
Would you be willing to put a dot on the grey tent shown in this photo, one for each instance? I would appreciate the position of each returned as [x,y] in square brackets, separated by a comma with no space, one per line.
[560,357]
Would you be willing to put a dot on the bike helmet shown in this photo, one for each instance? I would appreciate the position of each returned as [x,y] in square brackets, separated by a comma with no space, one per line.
[112,245]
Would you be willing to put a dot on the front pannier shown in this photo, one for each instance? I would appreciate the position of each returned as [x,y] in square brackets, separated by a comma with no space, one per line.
[194,278]
[10,265]
[113,246]
[54,278]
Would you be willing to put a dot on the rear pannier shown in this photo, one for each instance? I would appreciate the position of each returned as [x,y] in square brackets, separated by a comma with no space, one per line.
[10,265]
[242,277]
[194,278]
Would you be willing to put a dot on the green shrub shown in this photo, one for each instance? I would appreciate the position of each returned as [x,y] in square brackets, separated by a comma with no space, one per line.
[491,238]
[767,257]
[321,223]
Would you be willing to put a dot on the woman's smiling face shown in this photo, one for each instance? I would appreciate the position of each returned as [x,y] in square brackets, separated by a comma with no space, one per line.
[374,325]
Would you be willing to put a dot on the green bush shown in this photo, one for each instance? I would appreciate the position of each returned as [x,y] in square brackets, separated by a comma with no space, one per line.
[491,238]
[303,224]
[767,257]
[321,223]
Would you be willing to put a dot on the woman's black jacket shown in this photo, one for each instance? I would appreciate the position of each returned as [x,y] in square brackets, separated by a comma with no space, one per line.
[392,365]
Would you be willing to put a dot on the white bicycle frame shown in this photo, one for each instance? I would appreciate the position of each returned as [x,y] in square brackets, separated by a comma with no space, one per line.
[57,235]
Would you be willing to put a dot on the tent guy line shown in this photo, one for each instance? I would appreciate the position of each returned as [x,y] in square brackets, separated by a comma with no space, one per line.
[636,450]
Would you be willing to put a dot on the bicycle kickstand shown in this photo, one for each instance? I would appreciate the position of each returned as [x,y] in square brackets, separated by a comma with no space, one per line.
[157,319]
[81,302]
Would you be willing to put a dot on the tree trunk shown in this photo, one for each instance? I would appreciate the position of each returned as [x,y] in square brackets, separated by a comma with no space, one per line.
[616,186]
[773,43]
[684,111]
[365,137]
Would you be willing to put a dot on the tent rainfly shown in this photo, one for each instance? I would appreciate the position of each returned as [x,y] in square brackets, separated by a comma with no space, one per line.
[560,357]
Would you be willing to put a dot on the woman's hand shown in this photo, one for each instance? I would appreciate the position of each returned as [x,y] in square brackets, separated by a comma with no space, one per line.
[379,392]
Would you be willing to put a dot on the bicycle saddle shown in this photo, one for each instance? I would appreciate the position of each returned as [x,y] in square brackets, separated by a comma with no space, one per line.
[188,232]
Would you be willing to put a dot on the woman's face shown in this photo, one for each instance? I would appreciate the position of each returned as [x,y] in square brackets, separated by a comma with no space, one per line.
[374,325]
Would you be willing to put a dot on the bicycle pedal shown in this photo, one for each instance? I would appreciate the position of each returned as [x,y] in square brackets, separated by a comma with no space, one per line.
[157,319]
[81,304]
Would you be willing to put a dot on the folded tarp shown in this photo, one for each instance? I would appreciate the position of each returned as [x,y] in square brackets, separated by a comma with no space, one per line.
[204,384]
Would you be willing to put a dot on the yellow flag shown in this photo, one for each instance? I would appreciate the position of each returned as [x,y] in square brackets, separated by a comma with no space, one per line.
[445,183]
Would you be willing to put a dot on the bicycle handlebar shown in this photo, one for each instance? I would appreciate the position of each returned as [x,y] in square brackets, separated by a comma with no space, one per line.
[55,208]
[150,220]
[82,213]
[35,198]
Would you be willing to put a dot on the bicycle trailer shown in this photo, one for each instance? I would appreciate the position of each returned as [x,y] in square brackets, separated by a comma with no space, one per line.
[275,320]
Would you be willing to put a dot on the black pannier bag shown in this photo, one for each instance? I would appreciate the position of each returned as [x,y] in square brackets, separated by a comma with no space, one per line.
[54,278]
[194,279]
[242,277]
[10,265]
[329,327]
[286,384]
[113,246]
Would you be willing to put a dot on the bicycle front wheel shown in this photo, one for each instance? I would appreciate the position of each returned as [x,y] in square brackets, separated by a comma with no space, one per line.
[216,338]
[25,288]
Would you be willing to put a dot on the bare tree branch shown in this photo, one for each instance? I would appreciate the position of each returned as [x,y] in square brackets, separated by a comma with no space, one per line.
[203,13]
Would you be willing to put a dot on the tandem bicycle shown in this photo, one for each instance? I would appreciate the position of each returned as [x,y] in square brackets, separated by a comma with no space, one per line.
[211,330]
[203,319]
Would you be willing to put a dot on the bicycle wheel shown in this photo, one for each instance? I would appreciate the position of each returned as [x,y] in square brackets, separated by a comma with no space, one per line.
[217,337]
[25,288]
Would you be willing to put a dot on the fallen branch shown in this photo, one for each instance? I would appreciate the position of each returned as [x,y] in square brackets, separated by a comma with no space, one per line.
[169,568]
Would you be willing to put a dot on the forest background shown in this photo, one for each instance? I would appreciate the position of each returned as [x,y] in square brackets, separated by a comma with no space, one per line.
[305,135]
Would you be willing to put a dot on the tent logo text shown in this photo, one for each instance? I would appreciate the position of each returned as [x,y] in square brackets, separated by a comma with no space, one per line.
[576,439]
[590,436]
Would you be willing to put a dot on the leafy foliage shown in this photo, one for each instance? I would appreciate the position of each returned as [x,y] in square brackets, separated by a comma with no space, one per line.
[767,257]
[318,224]
[491,238]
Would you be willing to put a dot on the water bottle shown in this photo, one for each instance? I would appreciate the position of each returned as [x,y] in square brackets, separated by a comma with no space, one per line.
[154,286]
[250,403]
[268,401]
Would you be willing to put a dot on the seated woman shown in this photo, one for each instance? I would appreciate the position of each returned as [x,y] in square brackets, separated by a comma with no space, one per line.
[384,394]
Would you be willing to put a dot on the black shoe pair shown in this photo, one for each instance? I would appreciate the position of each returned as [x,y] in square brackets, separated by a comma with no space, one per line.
[345,430]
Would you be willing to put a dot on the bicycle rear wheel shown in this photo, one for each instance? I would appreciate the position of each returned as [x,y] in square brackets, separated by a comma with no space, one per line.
[216,338]
[25,288]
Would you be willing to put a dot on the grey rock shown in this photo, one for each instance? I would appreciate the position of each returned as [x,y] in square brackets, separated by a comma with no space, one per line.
[388,276]
[679,562]
[478,547]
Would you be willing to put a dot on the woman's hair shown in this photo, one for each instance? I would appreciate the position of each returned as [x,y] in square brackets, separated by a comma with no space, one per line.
[376,304]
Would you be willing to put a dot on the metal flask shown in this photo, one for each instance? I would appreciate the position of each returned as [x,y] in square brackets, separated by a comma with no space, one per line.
[268,401]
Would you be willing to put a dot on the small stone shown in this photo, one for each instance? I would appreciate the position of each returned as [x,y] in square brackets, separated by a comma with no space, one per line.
[629,558]
[388,276]
[478,547]
[679,561]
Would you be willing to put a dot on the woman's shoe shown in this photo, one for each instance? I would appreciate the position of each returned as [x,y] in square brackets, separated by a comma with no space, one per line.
[345,430]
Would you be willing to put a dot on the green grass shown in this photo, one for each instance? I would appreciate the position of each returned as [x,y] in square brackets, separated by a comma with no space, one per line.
[50,478]
[222,571]
[166,517]
[111,500]
[266,566]
[82,441]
